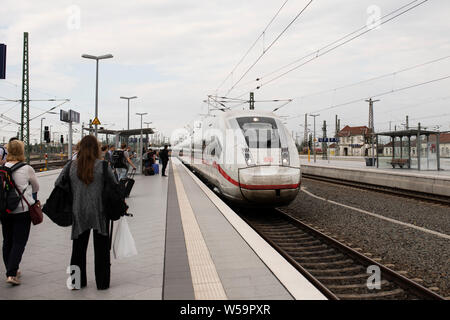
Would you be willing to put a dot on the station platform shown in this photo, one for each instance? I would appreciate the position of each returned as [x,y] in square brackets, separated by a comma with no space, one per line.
[191,246]
[428,181]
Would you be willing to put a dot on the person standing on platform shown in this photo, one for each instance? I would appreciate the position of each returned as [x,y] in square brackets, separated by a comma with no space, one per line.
[77,148]
[164,157]
[87,181]
[121,160]
[104,152]
[16,224]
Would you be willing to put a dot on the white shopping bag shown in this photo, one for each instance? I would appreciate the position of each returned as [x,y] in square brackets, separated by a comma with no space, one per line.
[124,245]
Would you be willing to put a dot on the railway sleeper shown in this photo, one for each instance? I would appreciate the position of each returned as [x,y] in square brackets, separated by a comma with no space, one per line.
[305,253]
[335,272]
[305,249]
[319,258]
[363,285]
[395,293]
[343,278]
[299,243]
[281,240]
[281,235]
[323,265]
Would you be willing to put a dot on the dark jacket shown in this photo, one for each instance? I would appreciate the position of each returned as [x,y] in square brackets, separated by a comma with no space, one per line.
[164,155]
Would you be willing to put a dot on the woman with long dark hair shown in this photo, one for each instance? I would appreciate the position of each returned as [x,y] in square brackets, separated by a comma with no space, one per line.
[87,182]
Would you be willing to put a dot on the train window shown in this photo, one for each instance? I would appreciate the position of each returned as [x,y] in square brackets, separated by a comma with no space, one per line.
[260,132]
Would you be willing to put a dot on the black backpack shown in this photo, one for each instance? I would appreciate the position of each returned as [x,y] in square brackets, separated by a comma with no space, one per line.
[58,206]
[118,159]
[114,205]
[9,198]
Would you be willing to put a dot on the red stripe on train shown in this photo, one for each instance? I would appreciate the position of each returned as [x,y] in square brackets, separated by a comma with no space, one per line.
[251,186]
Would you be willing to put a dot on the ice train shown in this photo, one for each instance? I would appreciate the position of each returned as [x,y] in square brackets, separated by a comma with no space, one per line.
[249,157]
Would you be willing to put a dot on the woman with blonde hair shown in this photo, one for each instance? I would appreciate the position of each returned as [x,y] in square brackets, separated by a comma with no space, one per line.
[16,224]
[87,184]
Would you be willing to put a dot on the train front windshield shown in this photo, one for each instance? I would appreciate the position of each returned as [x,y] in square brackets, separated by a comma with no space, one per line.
[260,132]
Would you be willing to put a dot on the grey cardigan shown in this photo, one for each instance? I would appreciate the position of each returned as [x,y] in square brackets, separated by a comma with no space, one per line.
[87,200]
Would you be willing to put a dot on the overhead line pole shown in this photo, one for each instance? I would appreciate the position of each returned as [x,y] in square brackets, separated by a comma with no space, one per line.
[371,127]
[25,114]
[314,138]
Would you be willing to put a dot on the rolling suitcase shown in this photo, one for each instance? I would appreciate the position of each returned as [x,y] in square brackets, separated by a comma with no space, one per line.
[155,167]
[128,183]
[149,171]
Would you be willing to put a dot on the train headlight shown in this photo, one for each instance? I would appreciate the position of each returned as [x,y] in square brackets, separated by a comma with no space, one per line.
[248,157]
[285,161]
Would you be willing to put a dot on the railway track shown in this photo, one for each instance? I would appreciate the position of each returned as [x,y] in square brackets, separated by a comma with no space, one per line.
[339,271]
[436,199]
[51,165]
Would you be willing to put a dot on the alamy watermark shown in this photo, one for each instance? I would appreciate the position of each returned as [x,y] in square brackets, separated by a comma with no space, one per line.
[73,21]
[374,280]
[374,18]
[74,279]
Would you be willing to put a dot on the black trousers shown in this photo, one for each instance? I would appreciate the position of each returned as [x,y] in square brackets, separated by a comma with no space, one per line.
[101,255]
[164,166]
[16,230]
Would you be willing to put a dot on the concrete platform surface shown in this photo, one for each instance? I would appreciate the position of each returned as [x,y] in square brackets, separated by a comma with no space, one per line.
[189,247]
[49,248]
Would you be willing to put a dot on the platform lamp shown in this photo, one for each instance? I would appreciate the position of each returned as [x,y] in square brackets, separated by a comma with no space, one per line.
[128,98]
[96,58]
[148,126]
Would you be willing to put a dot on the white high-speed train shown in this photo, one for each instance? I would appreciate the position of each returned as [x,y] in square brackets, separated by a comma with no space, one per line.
[248,156]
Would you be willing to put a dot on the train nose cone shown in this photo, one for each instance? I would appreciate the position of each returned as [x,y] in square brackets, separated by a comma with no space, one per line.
[269,185]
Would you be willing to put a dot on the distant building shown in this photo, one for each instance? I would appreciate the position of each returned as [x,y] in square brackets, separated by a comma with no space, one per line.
[354,141]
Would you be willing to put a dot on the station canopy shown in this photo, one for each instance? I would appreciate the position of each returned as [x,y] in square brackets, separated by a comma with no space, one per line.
[124,133]
[407,133]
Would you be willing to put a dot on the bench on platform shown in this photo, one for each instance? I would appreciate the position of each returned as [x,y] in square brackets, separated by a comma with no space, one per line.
[400,162]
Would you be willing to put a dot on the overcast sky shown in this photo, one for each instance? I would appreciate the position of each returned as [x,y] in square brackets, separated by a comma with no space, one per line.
[173,53]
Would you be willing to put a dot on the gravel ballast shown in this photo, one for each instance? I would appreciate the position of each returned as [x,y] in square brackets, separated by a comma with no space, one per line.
[422,255]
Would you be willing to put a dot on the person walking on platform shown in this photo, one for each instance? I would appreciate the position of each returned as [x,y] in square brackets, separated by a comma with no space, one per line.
[104,152]
[120,161]
[87,183]
[164,157]
[109,153]
[16,223]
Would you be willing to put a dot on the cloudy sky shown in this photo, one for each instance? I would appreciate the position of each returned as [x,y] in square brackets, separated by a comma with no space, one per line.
[173,53]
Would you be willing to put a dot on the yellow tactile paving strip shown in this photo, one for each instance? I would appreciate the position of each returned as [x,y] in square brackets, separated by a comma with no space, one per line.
[205,280]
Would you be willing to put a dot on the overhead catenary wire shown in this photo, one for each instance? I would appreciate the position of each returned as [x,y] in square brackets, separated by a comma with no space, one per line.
[316,53]
[380,94]
[328,45]
[375,78]
[270,46]
[253,45]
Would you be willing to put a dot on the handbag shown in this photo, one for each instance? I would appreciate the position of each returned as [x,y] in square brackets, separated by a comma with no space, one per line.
[124,244]
[114,205]
[35,209]
[58,206]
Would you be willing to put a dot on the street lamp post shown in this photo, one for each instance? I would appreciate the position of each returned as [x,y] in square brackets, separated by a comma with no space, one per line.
[96,58]
[148,126]
[140,143]
[314,137]
[128,98]
[41,137]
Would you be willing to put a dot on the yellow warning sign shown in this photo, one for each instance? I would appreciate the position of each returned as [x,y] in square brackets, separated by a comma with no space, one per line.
[96,121]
